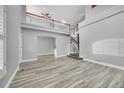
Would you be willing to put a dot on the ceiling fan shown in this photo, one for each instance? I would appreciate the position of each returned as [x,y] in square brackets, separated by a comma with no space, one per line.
[47,15]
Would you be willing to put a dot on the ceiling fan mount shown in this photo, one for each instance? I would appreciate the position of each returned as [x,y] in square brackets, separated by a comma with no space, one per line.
[47,15]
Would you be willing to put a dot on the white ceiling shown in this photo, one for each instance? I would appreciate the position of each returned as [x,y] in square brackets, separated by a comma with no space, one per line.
[71,14]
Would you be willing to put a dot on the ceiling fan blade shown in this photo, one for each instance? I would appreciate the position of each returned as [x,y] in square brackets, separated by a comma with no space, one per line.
[46,16]
[43,14]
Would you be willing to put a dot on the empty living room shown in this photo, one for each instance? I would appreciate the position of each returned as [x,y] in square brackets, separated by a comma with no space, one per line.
[62,46]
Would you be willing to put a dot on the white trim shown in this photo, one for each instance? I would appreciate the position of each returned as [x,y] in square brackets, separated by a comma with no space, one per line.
[28,60]
[40,28]
[11,78]
[60,55]
[73,52]
[106,64]
[3,71]
[45,54]
[81,56]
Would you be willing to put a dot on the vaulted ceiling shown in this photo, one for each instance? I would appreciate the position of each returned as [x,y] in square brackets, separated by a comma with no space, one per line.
[71,14]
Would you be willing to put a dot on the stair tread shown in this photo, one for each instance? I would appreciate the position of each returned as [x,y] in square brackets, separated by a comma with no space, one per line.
[75,55]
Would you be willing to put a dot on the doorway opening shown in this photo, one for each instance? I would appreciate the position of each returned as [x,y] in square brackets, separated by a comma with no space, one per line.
[46,45]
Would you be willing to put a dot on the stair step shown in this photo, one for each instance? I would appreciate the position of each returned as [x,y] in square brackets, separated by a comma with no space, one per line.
[75,55]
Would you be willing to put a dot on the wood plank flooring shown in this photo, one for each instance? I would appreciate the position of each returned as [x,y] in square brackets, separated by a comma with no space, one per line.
[66,72]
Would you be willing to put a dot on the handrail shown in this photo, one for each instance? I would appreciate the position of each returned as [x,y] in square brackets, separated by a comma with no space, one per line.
[74,40]
[77,42]
[47,18]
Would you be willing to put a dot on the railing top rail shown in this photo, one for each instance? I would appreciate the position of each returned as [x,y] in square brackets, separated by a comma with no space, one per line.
[47,18]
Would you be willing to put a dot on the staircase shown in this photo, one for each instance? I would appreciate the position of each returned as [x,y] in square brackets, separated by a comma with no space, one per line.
[74,42]
[75,56]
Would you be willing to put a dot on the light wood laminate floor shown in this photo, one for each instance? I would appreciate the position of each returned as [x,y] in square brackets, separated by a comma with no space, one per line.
[66,72]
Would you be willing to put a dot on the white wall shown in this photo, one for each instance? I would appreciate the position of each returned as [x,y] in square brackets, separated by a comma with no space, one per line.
[60,12]
[13,19]
[91,12]
[94,14]
[23,13]
[42,22]
[30,43]
[110,28]
[62,46]
[45,45]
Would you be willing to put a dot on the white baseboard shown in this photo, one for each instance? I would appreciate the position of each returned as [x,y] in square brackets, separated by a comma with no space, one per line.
[12,77]
[60,56]
[105,64]
[72,52]
[28,60]
[81,56]
[45,54]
